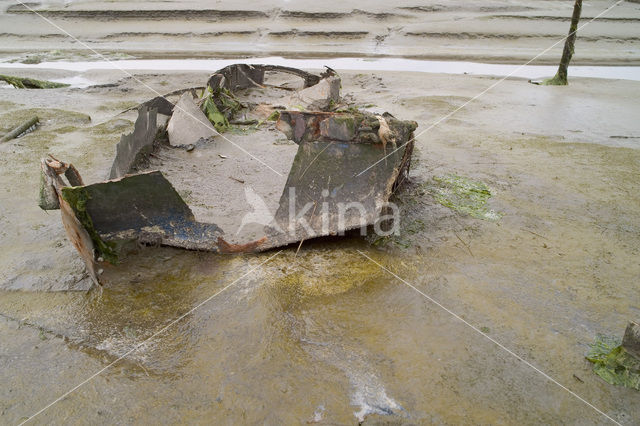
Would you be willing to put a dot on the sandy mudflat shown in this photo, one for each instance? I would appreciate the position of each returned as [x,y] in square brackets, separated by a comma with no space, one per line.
[324,333]
[504,31]
[557,268]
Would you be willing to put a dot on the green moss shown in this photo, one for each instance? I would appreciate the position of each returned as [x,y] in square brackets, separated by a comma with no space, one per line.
[464,196]
[349,121]
[30,83]
[77,198]
[613,363]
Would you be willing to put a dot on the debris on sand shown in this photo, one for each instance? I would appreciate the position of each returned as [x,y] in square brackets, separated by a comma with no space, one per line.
[618,362]
[30,83]
[22,128]
[188,124]
[340,176]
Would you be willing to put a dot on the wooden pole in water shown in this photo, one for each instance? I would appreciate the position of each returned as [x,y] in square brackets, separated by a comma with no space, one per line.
[20,129]
[560,78]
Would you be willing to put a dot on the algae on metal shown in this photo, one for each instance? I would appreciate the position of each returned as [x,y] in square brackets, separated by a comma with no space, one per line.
[464,195]
[77,198]
[613,363]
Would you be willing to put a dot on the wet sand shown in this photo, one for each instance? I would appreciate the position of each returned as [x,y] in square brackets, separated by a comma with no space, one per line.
[557,268]
[500,31]
[326,334]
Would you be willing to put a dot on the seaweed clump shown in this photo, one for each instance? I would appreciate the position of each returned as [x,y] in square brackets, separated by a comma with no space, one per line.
[30,83]
[219,105]
[464,196]
[613,363]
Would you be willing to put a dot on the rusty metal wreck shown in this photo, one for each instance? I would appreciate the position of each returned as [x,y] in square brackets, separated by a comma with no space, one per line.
[176,180]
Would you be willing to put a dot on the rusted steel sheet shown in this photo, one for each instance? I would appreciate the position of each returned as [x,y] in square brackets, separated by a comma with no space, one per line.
[345,169]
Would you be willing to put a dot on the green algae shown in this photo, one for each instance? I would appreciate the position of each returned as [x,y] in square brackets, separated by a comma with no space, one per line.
[309,277]
[409,227]
[30,83]
[613,363]
[77,197]
[50,118]
[112,127]
[464,195]
[117,105]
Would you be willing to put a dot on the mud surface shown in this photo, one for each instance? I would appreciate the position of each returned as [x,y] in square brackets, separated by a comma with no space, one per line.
[326,334]
[504,31]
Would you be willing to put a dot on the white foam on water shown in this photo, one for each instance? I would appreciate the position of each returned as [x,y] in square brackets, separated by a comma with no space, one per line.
[368,392]
[371,396]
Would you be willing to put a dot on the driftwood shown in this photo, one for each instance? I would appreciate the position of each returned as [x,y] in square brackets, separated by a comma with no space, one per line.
[30,83]
[20,129]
